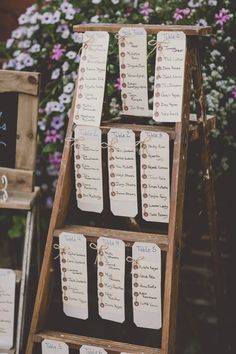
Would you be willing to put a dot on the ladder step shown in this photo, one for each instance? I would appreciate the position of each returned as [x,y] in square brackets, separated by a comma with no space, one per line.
[129,237]
[75,341]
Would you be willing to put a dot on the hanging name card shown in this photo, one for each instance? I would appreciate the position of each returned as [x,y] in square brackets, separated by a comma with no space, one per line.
[154,164]
[87,349]
[91,79]
[7,306]
[111,279]
[54,347]
[133,70]
[122,172]
[169,76]
[88,168]
[146,285]
[74,278]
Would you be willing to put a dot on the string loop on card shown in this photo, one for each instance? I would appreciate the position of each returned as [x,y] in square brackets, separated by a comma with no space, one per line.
[3,191]
[99,250]
[155,44]
[135,262]
[57,247]
[120,38]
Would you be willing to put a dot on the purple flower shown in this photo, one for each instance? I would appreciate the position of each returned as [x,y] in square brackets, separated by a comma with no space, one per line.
[145,9]
[234,93]
[222,17]
[181,13]
[57,52]
[52,136]
[118,84]
[55,159]
[57,122]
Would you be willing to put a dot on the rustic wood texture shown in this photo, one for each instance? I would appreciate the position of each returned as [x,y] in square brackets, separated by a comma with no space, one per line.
[129,237]
[26,137]
[19,81]
[151,29]
[20,200]
[75,342]
[18,180]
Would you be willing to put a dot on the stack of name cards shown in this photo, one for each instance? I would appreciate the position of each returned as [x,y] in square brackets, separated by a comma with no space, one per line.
[133,70]
[169,76]
[122,172]
[7,307]
[74,278]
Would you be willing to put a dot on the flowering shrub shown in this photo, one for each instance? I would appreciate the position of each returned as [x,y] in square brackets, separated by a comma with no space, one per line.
[45,42]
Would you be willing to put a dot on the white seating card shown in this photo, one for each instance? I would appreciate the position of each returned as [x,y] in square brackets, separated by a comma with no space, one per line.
[88,349]
[91,79]
[7,307]
[169,76]
[111,279]
[88,168]
[146,285]
[154,164]
[54,347]
[133,70]
[74,278]
[122,172]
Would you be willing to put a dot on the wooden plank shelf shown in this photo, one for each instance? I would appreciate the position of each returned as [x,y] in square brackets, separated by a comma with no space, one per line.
[151,29]
[75,341]
[92,233]
[20,200]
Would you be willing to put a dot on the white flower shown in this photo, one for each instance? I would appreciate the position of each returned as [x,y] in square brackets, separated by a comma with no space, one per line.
[16,53]
[193,4]
[19,66]
[9,43]
[35,48]
[96,2]
[65,6]
[65,66]
[70,14]
[77,37]
[28,60]
[71,54]
[65,34]
[64,98]
[42,124]
[30,10]
[24,44]
[34,18]
[212,2]
[52,106]
[115,2]
[94,19]
[74,75]
[151,79]
[23,19]
[19,32]
[55,74]
[47,18]
[31,30]
[202,22]
[68,88]
[77,59]
[56,16]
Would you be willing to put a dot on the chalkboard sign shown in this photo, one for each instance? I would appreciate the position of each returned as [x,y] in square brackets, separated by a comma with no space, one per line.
[8,126]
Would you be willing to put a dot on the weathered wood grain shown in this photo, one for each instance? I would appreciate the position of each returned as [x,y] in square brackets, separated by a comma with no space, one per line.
[21,82]
[18,180]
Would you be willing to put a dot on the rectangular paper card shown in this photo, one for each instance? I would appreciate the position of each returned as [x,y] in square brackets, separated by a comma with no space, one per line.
[88,349]
[7,307]
[122,172]
[169,76]
[111,279]
[154,164]
[88,168]
[133,70]
[91,79]
[146,285]
[74,278]
[54,347]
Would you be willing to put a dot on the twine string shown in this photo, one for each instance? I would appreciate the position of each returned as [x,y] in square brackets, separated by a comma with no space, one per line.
[4,192]
[100,251]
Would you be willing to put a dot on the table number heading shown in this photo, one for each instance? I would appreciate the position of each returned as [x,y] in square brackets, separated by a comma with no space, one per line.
[54,347]
[87,349]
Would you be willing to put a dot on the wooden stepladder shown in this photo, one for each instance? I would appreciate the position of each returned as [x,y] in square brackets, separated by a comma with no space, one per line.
[191,128]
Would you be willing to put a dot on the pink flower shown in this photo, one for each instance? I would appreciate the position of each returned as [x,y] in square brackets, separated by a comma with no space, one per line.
[222,17]
[181,13]
[234,93]
[57,52]
[55,159]
[145,9]
[52,136]
[118,84]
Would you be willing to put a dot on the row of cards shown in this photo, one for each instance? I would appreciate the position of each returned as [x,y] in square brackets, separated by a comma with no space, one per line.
[169,75]
[153,147]
[110,259]
[53,346]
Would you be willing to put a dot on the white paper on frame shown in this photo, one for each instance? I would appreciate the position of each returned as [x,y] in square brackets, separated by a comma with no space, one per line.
[122,172]
[155,184]
[88,349]
[169,76]
[74,278]
[133,70]
[54,347]
[146,285]
[7,307]
[88,168]
[91,79]
[111,279]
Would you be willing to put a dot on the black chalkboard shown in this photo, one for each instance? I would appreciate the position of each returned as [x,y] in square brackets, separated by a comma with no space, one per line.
[8,126]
